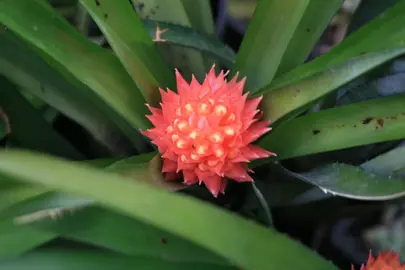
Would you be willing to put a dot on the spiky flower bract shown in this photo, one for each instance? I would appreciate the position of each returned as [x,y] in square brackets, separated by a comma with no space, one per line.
[384,261]
[204,131]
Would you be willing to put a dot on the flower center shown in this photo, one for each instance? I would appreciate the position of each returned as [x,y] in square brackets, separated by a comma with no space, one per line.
[205,132]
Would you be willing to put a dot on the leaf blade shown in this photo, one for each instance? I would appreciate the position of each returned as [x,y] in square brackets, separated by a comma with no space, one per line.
[15,240]
[352,182]
[307,33]
[188,61]
[29,127]
[278,103]
[131,42]
[379,179]
[382,33]
[337,128]
[23,66]
[261,52]
[100,227]
[101,71]
[101,260]
[192,38]
[250,253]
[21,204]
[200,15]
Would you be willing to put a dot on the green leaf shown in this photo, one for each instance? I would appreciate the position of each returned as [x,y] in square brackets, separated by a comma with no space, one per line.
[103,228]
[200,15]
[24,203]
[38,23]
[29,127]
[46,205]
[131,42]
[383,33]
[157,207]
[16,240]
[186,60]
[22,199]
[12,193]
[75,218]
[299,96]
[353,182]
[124,164]
[269,33]
[187,37]
[367,11]
[316,18]
[22,65]
[109,162]
[263,204]
[337,128]
[149,171]
[387,80]
[390,164]
[92,260]
[280,188]
[36,102]
[192,38]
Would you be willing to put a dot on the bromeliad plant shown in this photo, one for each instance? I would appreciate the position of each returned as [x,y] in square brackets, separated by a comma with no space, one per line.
[108,187]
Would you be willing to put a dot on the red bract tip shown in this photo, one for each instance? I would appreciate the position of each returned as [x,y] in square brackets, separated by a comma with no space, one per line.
[385,261]
[204,132]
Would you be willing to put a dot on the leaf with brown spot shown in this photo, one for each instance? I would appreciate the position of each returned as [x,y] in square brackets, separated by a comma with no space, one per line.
[380,122]
[294,138]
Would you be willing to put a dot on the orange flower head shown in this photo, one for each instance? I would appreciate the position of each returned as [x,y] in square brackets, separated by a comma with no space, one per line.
[205,131]
[385,261]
